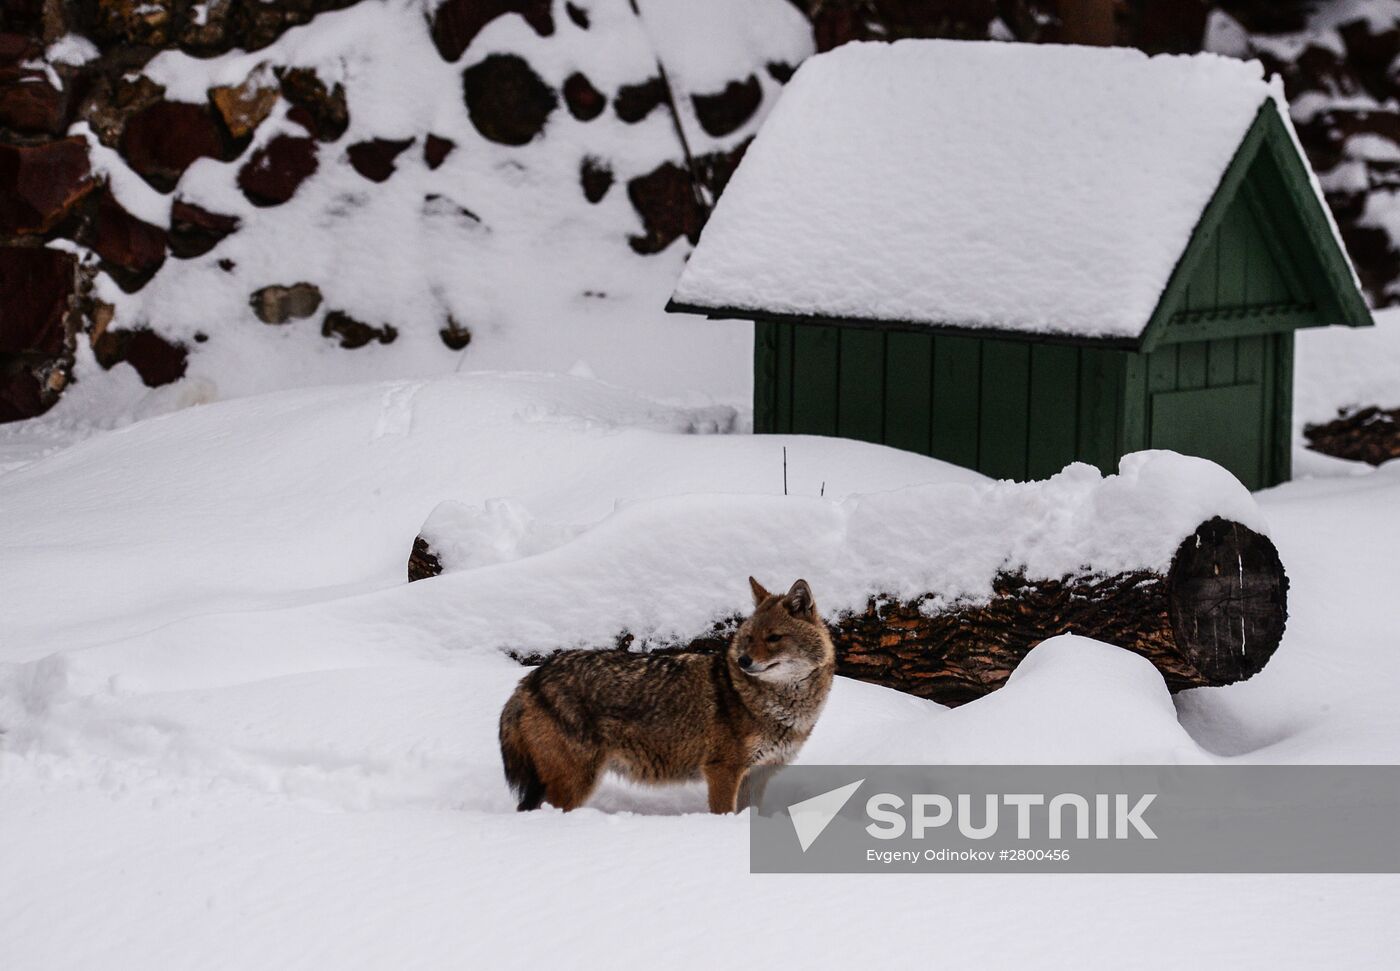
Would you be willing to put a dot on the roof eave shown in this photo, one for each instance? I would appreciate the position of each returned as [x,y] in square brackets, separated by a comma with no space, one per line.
[675,306]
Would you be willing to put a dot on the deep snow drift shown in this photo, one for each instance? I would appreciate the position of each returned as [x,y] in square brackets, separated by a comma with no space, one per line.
[234,736]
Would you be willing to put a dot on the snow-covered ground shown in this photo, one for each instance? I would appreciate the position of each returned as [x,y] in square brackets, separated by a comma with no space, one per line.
[234,737]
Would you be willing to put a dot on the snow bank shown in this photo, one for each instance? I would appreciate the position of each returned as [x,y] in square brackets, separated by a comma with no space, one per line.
[1340,368]
[1021,187]
[234,737]
[667,568]
[319,492]
[1073,700]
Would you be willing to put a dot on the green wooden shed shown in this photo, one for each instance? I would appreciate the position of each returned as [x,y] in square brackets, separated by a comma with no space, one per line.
[1130,279]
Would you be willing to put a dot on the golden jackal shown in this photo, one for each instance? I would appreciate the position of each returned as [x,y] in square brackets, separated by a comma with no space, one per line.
[658,718]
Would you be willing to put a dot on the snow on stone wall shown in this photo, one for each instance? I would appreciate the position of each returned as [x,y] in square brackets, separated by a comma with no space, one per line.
[221,197]
[252,195]
[1340,64]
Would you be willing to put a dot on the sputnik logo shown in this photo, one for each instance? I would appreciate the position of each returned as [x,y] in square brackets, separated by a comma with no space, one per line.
[811,817]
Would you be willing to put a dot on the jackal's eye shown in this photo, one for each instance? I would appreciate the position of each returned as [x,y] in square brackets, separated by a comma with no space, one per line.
[773,638]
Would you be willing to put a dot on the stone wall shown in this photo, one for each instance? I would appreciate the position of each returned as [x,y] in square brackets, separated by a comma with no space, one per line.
[120,199]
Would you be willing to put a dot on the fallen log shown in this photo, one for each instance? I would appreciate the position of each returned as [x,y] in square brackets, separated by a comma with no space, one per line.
[1369,435]
[1215,618]
[940,591]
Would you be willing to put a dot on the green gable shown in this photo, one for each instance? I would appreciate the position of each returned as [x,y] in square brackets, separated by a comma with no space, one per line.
[1263,258]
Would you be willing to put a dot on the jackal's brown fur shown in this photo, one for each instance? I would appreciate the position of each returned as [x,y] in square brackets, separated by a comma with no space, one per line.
[672,717]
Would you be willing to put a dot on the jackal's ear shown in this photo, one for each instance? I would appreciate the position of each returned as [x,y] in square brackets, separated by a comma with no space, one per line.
[799,601]
[759,594]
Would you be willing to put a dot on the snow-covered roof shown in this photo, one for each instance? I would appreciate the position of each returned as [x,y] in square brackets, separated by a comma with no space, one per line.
[1023,188]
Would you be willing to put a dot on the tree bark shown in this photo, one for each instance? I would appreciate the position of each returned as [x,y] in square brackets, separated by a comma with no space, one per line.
[1216,617]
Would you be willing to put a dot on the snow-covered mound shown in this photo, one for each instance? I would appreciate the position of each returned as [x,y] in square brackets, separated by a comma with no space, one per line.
[1343,368]
[1071,701]
[231,734]
[278,500]
[1012,186]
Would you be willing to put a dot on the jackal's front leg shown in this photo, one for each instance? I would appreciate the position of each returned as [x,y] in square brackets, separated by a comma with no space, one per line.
[723,780]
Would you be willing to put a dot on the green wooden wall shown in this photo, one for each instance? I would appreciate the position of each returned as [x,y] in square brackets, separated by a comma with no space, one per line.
[1006,408]
[1015,410]
[1228,400]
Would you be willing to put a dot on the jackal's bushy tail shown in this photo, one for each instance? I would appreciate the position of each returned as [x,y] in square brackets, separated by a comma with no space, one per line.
[521,774]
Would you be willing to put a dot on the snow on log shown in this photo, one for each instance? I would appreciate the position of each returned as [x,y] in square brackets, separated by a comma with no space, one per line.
[939,591]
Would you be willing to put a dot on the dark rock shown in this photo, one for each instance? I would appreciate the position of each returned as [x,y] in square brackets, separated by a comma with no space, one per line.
[454,335]
[274,172]
[634,102]
[726,112]
[354,333]
[457,22]
[17,47]
[436,149]
[585,102]
[1319,68]
[1325,134]
[596,178]
[211,34]
[1372,55]
[137,23]
[578,15]
[29,104]
[422,561]
[669,205]
[780,71]
[243,107]
[131,249]
[38,285]
[108,104]
[1375,256]
[714,169]
[278,304]
[507,101]
[1270,16]
[194,231]
[161,141]
[836,22]
[21,390]
[320,110]
[40,184]
[157,360]
[23,16]
[1163,26]
[374,158]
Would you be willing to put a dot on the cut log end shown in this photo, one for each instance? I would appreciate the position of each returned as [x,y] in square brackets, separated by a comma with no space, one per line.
[1227,601]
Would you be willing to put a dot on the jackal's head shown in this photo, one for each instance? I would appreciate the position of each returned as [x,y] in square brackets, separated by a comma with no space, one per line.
[785,638]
